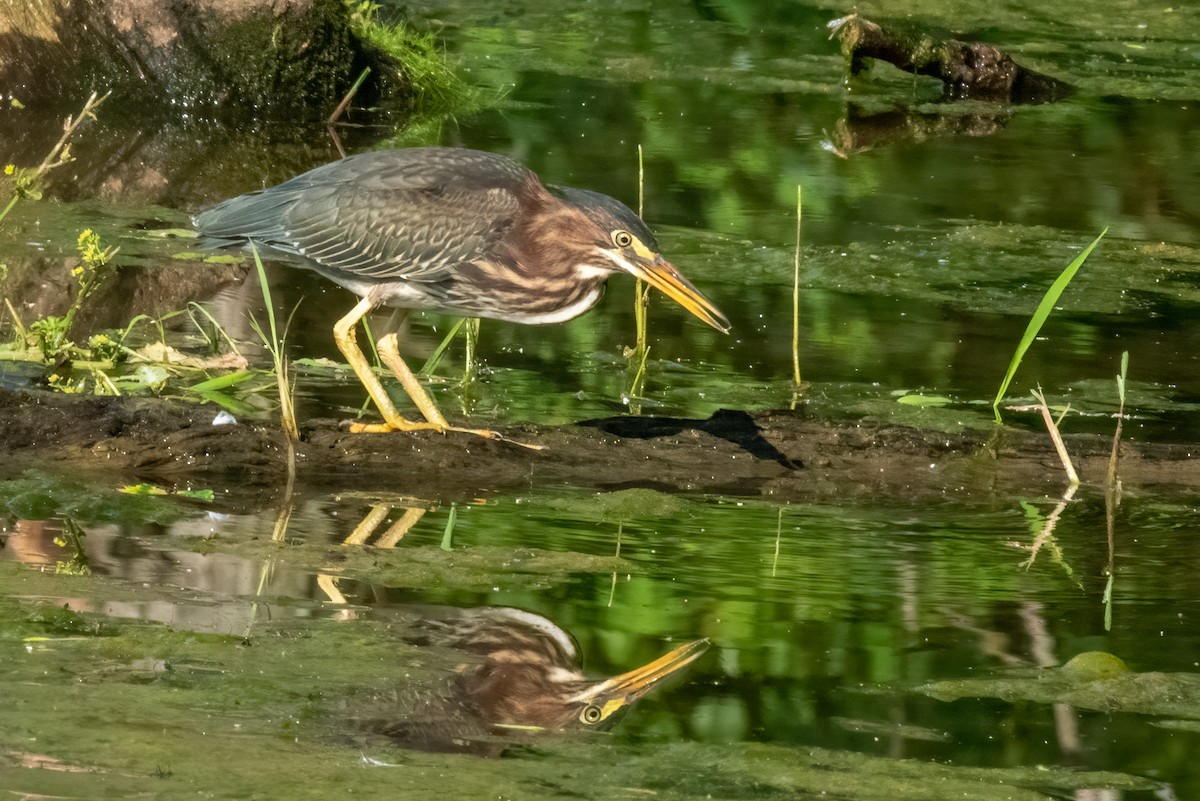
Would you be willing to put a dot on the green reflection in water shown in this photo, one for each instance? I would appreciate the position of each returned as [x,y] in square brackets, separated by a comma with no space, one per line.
[818,639]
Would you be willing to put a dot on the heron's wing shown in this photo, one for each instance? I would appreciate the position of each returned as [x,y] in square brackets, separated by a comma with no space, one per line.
[390,234]
[389,215]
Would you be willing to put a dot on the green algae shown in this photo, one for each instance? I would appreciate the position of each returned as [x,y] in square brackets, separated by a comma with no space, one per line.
[61,621]
[39,495]
[474,568]
[621,505]
[1093,680]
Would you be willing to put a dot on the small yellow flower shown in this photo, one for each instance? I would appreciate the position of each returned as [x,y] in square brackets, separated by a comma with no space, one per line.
[9,169]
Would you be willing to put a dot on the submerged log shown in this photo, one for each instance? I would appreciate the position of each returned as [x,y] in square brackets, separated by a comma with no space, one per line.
[968,70]
[275,58]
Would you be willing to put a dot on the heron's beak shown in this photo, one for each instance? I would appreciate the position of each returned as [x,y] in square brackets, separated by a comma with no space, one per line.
[621,691]
[662,275]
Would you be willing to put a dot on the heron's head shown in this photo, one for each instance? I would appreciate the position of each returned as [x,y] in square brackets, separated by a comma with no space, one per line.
[519,688]
[618,241]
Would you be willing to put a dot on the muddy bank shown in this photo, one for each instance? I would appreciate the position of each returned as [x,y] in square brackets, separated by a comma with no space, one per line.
[780,454]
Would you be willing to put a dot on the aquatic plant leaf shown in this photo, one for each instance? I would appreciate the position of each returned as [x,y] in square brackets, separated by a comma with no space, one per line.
[1040,315]
[924,400]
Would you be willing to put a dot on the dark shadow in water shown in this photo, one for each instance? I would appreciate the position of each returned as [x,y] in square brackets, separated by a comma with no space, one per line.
[731,425]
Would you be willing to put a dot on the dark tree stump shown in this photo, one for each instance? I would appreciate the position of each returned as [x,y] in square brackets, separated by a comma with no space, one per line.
[272,57]
[969,70]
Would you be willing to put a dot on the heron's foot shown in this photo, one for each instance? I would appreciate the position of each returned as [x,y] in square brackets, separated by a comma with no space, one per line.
[397,425]
[502,438]
[495,435]
[412,425]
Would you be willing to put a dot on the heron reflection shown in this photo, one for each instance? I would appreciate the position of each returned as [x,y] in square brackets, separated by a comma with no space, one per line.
[519,676]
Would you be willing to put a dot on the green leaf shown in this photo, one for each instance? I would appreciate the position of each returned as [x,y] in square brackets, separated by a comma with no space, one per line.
[197,495]
[142,489]
[230,404]
[924,400]
[1040,315]
[150,489]
[222,382]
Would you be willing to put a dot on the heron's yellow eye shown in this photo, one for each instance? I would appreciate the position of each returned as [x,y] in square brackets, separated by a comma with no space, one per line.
[592,713]
[622,239]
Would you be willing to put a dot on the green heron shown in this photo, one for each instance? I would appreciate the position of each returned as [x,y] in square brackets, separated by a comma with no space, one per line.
[522,675]
[448,230]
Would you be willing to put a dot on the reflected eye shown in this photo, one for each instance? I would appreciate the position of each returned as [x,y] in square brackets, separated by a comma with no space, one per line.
[591,713]
[622,239]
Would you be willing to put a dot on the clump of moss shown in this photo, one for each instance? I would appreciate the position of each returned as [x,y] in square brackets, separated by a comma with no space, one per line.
[420,60]
[1096,665]
[63,622]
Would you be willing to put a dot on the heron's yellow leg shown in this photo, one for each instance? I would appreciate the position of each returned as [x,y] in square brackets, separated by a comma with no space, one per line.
[347,342]
[397,530]
[389,354]
[328,585]
[379,512]
[366,527]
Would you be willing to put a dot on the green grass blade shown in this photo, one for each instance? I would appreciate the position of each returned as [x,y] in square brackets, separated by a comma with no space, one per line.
[194,309]
[12,202]
[265,288]
[448,534]
[796,382]
[274,345]
[432,362]
[228,403]
[1040,315]
[222,381]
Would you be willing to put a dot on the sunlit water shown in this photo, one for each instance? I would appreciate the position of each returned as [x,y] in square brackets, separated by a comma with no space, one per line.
[211,636]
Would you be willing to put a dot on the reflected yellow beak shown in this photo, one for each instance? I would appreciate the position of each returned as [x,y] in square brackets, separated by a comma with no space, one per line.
[621,691]
[662,275]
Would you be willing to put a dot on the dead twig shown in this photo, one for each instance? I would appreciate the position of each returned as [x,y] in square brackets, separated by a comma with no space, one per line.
[1055,435]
